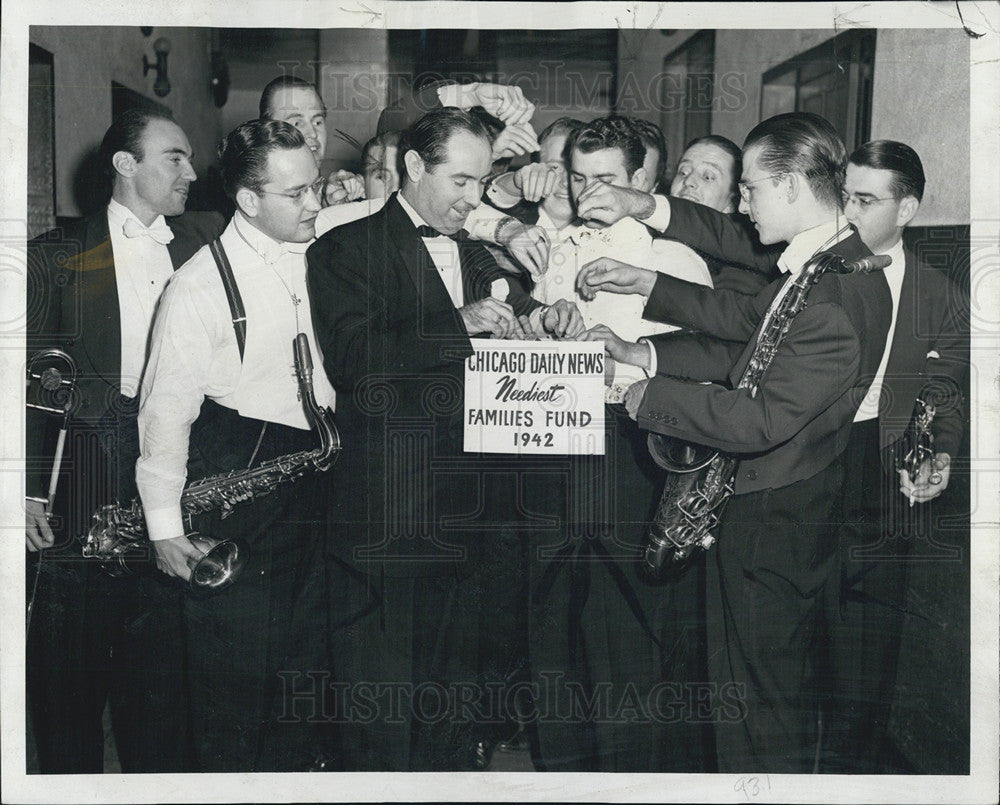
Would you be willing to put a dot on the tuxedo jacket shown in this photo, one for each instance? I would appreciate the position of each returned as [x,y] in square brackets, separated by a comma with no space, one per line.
[394,347]
[73,305]
[799,420]
[932,320]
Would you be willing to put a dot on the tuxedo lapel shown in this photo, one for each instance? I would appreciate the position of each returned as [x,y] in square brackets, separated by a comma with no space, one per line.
[99,313]
[413,254]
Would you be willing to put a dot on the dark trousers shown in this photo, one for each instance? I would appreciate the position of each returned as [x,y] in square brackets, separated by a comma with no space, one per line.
[250,646]
[96,640]
[866,612]
[766,581]
[596,658]
[404,654]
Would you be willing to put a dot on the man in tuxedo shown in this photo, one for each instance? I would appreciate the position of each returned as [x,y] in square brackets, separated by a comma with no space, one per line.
[776,552]
[412,528]
[94,639]
[926,358]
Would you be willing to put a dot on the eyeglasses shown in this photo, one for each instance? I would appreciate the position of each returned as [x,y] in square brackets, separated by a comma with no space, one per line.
[299,196]
[745,186]
[864,201]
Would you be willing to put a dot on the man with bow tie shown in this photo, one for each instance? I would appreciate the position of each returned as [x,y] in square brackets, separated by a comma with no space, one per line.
[94,287]
[414,520]
[221,393]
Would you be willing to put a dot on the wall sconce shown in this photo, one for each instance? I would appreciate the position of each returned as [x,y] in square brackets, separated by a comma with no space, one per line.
[161,47]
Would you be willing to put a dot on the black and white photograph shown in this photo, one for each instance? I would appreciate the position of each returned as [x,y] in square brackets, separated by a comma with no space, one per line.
[494,392]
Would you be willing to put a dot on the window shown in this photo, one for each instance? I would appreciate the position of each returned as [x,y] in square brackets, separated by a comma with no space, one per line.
[833,80]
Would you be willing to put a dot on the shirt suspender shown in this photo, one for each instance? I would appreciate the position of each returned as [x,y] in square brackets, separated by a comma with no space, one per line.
[232,294]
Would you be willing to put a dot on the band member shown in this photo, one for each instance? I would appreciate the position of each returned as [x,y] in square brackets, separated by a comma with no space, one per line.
[298,102]
[396,301]
[884,512]
[93,639]
[776,551]
[217,397]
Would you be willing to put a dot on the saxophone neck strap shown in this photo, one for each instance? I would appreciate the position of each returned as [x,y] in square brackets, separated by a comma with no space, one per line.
[236,308]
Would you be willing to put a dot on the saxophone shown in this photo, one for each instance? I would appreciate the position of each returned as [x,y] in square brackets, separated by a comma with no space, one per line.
[117,535]
[700,481]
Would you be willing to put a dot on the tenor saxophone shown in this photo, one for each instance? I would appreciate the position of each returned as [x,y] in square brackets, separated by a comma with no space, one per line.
[118,532]
[699,481]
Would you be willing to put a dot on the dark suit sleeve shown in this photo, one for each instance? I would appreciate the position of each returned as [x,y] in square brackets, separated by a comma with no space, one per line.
[694,356]
[817,362]
[719,236]
[949,373]
[724,314]
[360,325]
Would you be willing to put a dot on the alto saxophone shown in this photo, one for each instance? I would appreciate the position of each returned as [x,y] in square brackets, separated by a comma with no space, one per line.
[700,481]
[118,532]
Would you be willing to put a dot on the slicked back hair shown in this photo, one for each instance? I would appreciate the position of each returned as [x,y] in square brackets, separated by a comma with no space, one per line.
[613,131]
[803,143]
[275,86]
[125,134]
[429,135]
[244,151]
[897,158]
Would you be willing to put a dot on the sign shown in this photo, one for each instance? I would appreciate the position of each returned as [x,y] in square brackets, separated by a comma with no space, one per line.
[535,397]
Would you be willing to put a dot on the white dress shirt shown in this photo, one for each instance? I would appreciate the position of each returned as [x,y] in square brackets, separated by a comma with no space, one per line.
[444,254]
[575,245]
[894,276]
[194,354]
[142,268]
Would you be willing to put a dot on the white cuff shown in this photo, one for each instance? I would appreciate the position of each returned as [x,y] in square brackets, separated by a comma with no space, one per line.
[499,195]
[652,356]
[450,94]
[164,523]
[660,219]
[482,222]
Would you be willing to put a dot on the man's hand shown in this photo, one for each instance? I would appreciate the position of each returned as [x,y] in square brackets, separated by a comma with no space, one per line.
[608,274]
[602,204]
[562,319]
[536,181]
[344,186]
[633,397]
[491,316]
[506,102]
[932,479]
[528,245]
[176,556]
[37,531]
[515,140]
[618,348]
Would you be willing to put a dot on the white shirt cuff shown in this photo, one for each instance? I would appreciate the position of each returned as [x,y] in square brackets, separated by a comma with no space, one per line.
[499,196]
[482,222]
[660,219]
[450,94]
[164,523]
[652,356]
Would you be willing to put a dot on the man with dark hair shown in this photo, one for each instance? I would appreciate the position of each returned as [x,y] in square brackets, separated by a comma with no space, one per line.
[655,162]
[93,639]
[298,102]
[775,558]
[396,298]
[219,395]
[926,358]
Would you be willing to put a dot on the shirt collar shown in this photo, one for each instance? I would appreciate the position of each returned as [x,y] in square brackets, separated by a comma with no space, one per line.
[267,248]
[805,244]
[408,209]
[118,214]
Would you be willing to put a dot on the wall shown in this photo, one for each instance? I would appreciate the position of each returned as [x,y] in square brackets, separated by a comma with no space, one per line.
[929,65]
[87,60]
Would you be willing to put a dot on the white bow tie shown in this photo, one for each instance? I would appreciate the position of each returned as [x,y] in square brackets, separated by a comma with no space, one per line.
[159,232]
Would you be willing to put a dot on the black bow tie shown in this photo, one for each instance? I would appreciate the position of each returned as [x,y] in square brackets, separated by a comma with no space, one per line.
[430,232]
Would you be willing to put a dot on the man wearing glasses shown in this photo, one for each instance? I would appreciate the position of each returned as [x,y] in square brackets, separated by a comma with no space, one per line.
[776,552]
[220,394]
